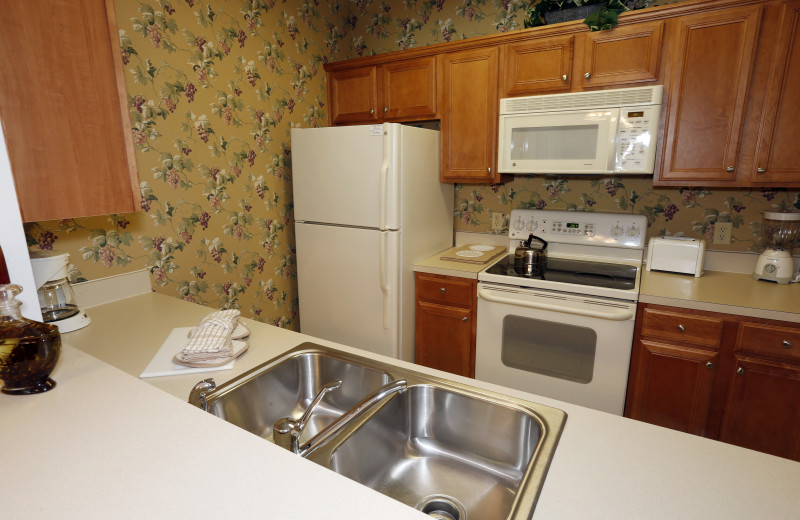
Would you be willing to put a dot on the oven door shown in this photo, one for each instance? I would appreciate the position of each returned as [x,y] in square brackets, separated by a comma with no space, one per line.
[564,346]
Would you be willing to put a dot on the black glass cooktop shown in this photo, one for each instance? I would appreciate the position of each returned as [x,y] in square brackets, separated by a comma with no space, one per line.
[580,272]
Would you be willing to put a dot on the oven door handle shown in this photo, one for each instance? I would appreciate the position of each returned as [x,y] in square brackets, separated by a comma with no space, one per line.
[621,315]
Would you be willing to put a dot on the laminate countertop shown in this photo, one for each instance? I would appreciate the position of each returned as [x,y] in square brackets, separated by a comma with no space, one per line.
[105,444]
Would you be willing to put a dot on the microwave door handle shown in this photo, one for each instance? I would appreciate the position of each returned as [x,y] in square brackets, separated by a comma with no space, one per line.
[614,315]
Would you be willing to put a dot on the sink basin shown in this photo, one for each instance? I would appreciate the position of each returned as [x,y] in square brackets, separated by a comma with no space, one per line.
[440,450]
[450,450]
[285,388]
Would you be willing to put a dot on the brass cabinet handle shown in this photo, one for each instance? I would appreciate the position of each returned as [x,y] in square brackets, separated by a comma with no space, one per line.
[587,75]
[761,170]
[740,371]
[786,343]
[681,328]
[729,169]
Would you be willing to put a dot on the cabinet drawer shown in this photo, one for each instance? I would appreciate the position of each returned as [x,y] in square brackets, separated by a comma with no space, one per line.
[769,340]
[445,289]
[700,330]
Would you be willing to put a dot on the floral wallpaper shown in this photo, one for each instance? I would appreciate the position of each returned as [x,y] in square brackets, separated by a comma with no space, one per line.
[214,87]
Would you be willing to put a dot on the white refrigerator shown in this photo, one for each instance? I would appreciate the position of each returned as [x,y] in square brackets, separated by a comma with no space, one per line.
[368,204]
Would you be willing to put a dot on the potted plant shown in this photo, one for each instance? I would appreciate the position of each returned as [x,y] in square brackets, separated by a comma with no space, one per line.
[597,14]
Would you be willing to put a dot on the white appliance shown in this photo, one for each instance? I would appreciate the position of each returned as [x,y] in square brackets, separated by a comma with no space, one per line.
[368,204]
[566,331]
[676,255]
[781,234]
[604,131]
[56,297]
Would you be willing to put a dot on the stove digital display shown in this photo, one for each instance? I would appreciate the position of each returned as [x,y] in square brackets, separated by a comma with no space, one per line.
[573,225]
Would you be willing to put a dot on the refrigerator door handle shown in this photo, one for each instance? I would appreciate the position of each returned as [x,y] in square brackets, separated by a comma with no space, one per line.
[383,258]
[384,181]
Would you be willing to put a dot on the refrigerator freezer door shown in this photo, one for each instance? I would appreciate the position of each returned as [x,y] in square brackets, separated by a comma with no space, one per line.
[349,286]
[345,175]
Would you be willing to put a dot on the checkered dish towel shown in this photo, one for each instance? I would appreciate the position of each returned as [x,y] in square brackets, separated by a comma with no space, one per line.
[212,338]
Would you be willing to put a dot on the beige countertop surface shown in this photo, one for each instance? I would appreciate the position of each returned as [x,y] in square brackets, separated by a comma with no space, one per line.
[436,265]
[105,444]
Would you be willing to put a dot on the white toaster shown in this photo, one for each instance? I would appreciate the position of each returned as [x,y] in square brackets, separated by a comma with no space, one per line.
[676,255]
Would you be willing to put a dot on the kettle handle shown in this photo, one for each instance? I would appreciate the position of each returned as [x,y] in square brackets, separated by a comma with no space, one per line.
[540,239]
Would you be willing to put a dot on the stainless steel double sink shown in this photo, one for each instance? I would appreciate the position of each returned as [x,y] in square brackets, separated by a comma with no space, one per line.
[448,449]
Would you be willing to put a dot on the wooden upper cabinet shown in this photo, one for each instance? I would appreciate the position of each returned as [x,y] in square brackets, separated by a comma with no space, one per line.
[469,112]
[403,90]
[776,157]
[711,65]
[409,89]
[353,95]
[539,66]
[623,55]
[64,107]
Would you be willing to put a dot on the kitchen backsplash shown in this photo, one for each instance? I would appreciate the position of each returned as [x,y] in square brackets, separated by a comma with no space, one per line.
[214,87]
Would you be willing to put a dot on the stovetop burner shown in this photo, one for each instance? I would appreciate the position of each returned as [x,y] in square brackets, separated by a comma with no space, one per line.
[571,271]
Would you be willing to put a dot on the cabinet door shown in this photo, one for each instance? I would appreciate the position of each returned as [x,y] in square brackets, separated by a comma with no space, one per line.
[776,153]
[409,89]
[712,60]
[629,54]
[762,412]
[469,116]
[444,338]
[542,65]
[353,95]
[672,386]
[69,141]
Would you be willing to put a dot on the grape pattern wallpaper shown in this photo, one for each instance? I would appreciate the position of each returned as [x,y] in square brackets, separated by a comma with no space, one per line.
[214,88]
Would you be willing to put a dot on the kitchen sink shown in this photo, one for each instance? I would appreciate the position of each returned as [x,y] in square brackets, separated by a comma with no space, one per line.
[450,450]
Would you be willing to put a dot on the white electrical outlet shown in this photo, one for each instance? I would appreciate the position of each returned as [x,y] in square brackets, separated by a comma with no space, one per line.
[722,232]
[497,221]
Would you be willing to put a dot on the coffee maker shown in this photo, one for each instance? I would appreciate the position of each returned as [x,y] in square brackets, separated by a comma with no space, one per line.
[781,231]
[56,297]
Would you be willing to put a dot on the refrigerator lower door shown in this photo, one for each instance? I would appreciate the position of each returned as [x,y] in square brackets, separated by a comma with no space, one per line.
[348,283]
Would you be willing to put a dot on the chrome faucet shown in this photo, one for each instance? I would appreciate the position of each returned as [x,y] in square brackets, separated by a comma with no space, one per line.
[286,432]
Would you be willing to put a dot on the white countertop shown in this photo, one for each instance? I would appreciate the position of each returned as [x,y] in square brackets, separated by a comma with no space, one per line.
[104,444]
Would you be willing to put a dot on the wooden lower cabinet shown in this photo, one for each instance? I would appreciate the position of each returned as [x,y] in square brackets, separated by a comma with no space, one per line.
[445,323]
[742,388]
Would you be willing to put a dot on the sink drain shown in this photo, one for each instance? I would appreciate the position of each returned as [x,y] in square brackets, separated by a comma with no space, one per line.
[442,507]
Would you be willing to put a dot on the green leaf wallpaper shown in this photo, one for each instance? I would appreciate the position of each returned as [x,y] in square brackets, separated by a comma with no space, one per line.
[214,88]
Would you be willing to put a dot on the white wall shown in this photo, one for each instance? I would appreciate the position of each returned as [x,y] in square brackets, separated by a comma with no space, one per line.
[12,239]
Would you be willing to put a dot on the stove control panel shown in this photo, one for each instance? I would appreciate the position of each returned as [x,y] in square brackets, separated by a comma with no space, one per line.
[598,229]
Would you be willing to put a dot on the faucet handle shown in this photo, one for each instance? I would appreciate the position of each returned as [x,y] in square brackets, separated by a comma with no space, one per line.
[286,432]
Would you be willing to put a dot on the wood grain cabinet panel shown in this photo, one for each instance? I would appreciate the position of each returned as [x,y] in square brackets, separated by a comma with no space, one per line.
[711,65]
[541,65]
[409,89]
[682,327]
[469,112]
[762,412]
[353,95]
[779,134]
[64,107]
[623,55]
[445,323]
[673,386]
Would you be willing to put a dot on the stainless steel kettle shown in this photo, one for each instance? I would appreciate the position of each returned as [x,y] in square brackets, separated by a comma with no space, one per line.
[530,256]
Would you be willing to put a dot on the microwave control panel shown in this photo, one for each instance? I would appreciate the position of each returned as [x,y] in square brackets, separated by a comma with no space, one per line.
[636,139]
[590,228]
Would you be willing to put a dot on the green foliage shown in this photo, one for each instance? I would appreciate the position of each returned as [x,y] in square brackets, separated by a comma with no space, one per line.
[606,17]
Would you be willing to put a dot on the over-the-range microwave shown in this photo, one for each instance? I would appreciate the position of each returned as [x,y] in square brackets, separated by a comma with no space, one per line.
[604,131]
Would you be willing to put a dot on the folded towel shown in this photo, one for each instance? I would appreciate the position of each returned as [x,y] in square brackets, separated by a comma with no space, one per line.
[212,337]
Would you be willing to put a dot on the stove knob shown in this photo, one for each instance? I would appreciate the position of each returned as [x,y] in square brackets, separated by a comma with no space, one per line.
[633,231]
[519,225]
[616,230]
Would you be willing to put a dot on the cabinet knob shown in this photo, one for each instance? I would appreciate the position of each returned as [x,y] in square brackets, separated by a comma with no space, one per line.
[740,371]
[489,170]
[385,109]
[681,328]
[464,318]
[761,170]
[587,75]
[443,290]
[709,365]
[564,77]
[786,343]
[729,169]
[371,111]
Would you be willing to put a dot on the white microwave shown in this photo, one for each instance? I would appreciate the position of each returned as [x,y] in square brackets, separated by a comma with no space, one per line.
[599,132]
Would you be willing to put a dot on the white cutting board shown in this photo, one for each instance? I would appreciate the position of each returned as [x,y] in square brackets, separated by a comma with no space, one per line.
[162,363]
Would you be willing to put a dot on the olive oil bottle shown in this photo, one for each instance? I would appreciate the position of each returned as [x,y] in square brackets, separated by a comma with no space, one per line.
[29,350]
